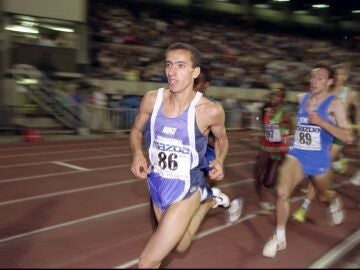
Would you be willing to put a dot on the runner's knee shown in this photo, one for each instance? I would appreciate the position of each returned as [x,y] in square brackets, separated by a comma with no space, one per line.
[283,193]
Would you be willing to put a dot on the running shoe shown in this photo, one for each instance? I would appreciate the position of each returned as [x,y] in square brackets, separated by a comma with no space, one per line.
[336,211]
[220,198]
[344,165]
[235,209]
[300,215]
[336,165]
[273,246]
[266,208]
[355,180]
[341,165]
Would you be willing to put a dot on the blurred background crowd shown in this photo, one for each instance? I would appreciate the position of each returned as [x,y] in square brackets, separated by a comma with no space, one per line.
[91,70]
[129,44]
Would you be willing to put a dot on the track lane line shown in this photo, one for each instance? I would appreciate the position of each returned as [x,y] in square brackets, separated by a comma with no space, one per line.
[90,170]
[205,233]
[129,208]
[95,157]
[76,221]
[63,160]
[61,173]
[80,150]
[213,230]
[68,165]
[337,252]
[64,224]
[65,192]
[62,152]
[61,145]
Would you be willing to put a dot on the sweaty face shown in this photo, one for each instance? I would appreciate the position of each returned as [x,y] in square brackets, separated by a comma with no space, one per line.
[277,98]
[340,75]
[319,80]
[179,70]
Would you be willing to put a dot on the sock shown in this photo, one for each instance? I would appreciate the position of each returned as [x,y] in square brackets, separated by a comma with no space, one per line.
[264,204]
[280,234]
[336,165]
[204,194]
[306,204]
[343,161]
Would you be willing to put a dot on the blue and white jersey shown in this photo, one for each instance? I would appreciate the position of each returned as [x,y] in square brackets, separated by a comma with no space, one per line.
[312,143]
[176,151]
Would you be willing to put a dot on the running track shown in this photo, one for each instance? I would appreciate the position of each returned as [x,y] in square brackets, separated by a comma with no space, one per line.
[75,204]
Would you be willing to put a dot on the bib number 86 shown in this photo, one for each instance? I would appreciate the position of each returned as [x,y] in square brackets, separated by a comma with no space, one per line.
[168,161]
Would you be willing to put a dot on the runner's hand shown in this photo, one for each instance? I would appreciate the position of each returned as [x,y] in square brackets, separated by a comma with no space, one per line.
[139,166]
[217,170]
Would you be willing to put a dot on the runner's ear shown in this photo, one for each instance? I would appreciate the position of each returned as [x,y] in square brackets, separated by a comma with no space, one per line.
[196,72]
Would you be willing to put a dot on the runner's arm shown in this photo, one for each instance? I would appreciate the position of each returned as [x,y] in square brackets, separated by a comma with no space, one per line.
[341,129]
[139,163]
[221,143]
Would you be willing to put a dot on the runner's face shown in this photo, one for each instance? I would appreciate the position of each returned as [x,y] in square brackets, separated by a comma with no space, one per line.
[277,98]
[319,80]
[179,71]
[340,75]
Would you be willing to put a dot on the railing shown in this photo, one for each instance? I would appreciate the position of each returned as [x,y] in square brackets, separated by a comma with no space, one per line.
[43,92]
[47,97]
[98,119]
[122,119]
[9,118]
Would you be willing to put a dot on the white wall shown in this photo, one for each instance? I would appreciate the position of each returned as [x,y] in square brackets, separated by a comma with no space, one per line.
[70,10]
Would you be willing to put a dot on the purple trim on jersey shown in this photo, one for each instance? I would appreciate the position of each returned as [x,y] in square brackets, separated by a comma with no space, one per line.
[165,191]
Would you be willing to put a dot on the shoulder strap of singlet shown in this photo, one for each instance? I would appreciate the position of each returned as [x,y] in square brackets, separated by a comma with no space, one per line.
[305,99]
[158,101]
[344,94]
[191,129]
[325,104]
[327,101]
[277,116]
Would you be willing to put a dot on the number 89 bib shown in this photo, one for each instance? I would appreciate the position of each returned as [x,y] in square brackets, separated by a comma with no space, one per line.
[307,137]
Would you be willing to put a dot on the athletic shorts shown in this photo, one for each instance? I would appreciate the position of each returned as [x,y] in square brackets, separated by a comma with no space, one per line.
[210,156]
[165,192]
[312,166]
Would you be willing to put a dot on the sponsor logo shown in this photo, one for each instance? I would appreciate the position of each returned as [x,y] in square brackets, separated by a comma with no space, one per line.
[303,120]
[169,130]
[171,148]
[309,129]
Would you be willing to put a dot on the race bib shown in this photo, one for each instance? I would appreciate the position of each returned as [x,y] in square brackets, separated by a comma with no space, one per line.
[171,158]
[307,137]
[272,133]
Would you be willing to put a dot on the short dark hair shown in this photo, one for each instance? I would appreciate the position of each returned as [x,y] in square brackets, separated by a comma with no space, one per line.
[280,90]
[195,53]
[204,71]
[343,66]
[329,69]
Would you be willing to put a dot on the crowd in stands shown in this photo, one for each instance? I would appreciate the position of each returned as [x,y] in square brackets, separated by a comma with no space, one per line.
[129,45]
